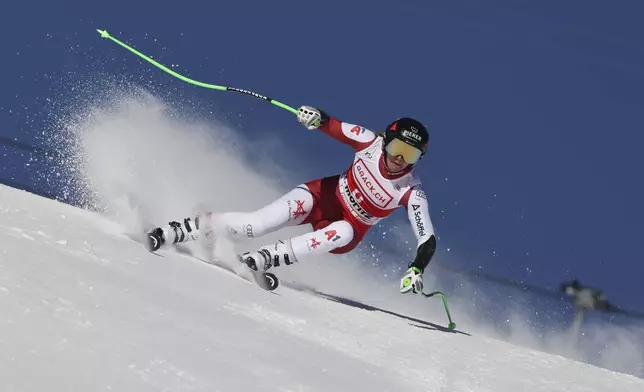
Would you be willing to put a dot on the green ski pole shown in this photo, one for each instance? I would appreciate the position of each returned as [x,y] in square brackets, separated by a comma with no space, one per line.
[107,35]
[452,325]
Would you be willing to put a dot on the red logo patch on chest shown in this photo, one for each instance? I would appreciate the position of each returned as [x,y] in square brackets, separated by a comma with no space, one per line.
[370,186]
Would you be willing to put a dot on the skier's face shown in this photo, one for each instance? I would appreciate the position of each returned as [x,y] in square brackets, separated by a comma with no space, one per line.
[395,163]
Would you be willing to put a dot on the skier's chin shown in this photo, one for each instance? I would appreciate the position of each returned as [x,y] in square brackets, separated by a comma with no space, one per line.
[395,167]
[398,168]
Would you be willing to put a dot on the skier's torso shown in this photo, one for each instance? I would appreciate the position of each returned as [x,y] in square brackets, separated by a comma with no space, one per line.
[367,191]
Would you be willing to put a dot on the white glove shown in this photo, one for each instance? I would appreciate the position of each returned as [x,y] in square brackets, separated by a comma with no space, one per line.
[412,281]
[310,117]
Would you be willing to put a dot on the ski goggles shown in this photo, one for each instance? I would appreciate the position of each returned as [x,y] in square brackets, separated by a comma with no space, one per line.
[409,153]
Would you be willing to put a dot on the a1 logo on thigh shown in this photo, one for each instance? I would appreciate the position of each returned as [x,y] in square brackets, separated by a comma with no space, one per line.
[332,235]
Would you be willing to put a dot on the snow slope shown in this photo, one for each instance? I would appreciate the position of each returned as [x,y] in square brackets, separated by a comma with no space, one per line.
[83,307]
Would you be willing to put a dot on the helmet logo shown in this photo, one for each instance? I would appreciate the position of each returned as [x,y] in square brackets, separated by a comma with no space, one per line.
[412,134]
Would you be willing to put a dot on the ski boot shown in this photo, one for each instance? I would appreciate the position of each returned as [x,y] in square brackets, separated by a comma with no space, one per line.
[174,232]
[258,263]
[265,258]
[155,239]
[269,256]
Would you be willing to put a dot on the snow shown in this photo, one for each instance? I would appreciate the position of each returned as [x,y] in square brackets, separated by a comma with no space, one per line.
[83,306]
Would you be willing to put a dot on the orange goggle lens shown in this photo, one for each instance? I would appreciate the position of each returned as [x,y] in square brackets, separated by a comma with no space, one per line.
[409,153]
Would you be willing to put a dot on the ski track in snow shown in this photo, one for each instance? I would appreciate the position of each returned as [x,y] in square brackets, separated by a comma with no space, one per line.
[83,307]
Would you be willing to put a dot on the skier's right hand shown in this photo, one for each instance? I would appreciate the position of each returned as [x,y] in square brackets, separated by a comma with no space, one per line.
[311,117]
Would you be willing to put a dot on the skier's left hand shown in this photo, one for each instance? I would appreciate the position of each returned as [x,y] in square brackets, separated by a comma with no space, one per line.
[412,281]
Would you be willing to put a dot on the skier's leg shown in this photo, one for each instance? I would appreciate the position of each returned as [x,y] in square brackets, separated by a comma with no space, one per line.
[312,203]
[291,209]
[337,237]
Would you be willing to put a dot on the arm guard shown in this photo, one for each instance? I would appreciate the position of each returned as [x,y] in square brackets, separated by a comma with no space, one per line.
[424,254]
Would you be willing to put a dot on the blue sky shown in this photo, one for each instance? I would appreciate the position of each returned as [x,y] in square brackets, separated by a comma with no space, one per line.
[534,108]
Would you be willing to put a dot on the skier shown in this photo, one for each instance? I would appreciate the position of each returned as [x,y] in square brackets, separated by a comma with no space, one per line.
[339,208]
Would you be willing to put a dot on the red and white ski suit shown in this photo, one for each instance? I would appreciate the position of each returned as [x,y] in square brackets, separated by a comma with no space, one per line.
[340,208]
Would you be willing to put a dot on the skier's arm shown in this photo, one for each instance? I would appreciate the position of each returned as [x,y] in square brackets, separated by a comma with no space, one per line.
[415,202]
[353,135]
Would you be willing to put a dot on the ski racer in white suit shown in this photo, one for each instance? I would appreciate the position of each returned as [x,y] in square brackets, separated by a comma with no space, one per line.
[339,208]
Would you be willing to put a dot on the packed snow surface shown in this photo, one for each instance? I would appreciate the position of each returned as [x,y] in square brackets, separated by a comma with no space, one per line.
[84,307]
